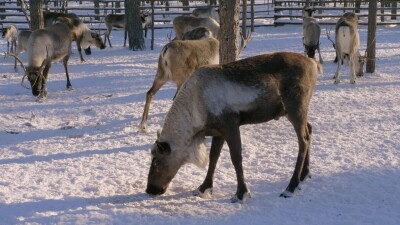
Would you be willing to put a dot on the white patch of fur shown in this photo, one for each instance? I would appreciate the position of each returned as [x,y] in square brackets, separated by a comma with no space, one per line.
[345,40]
[198,152]
[215,59]
[221,95]
[246,196]
[206,195]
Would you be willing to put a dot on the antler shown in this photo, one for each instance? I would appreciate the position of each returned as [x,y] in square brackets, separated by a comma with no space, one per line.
[245,39]
[365,54]
[328,34]
[169,36]
[22,65]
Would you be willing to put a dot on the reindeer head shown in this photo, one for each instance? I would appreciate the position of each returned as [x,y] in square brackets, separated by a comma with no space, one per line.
[98,41]
[34,74]
[161,170]
[359,65]
[5,31]
[36,78]
[307,11]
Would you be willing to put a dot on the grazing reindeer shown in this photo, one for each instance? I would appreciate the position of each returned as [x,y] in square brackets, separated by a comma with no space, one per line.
[119,21]
[207,11]
[198,34]
[217,100]
[22,43]
[183,24]
[10,34]
[178,60]
[348,44]
[82,35]
[44,46]
[311,33]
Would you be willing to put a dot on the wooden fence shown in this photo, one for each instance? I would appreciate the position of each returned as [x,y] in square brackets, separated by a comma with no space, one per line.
[266,12]
[328,11]
[10,12]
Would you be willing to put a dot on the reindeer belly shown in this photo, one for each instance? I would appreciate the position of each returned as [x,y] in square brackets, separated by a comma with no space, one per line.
[343,37]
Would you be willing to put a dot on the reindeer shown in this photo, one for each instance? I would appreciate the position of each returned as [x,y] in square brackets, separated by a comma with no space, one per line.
[10,34]
[119,21]
[183,24]
[51,17]
[311,33]
[22,43]
[178,60]
[217,100]
[207,11]
[198,34]
[82,35]
[44,46]
[348,44]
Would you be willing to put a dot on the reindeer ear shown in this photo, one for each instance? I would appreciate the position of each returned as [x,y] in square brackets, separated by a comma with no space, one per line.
[163,148]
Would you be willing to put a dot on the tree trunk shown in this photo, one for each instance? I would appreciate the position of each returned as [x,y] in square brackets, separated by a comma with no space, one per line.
[229,22]
[134,25]
[36,14]
[371,42]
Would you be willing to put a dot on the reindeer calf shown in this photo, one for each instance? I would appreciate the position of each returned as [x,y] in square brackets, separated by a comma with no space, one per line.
[183,24]
[10,34]
[177,61]
[348,44]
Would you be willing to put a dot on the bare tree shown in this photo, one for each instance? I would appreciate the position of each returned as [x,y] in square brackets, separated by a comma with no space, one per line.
[36,14]
[229,21]
[134,24]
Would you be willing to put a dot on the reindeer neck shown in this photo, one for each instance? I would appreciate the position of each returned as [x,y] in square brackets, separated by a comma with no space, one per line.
[184,120]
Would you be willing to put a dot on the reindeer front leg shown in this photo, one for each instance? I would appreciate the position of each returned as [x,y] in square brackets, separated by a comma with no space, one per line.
[43,92]
[78,45]
[205,189]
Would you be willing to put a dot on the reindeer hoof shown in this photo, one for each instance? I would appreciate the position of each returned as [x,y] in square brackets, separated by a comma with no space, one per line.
[70,88]
[287,194]
[143,127]
[244,198]
[352,82]
[207,194]
[337,82]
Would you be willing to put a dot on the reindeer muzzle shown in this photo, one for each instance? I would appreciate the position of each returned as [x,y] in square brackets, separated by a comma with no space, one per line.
[153,190]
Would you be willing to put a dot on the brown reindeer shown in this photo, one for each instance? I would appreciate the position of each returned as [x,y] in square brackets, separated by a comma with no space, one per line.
[217,100]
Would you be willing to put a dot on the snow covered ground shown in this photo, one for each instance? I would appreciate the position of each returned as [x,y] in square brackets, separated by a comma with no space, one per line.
[79,158]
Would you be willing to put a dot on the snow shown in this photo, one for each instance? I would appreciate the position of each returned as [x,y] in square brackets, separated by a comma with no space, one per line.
[78,157]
